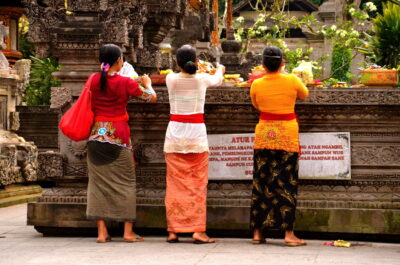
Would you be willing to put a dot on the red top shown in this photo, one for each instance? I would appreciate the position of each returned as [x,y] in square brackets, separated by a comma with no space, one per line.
[118,90]
[109,109]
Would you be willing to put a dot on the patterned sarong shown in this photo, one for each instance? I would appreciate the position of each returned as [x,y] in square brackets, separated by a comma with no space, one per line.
[274,196]
[186,194]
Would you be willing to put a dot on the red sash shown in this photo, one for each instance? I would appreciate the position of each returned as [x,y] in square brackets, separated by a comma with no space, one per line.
[124,117]
[267,116]
[191,118]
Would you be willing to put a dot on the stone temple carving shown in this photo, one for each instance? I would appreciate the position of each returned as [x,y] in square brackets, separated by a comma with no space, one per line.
[370,199]
[18,159]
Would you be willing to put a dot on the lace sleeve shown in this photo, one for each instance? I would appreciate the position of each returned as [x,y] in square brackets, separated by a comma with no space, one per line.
[146,94]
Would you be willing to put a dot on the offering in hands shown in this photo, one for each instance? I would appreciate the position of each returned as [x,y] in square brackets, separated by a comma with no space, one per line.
[206,67]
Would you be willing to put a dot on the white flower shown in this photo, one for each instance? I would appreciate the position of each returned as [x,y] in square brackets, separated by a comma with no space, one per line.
[371,6]
[352,10]
[263,28]
[341,33]
[240,20]
[355,34]
[333,27]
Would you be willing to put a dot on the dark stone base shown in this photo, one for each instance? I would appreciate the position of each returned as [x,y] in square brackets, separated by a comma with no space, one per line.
[51,218]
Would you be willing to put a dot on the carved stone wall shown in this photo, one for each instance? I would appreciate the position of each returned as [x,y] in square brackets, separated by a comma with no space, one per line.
[39,124]
[368,203]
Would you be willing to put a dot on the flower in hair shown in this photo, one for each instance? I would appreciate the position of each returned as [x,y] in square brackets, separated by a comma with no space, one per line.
[105,67]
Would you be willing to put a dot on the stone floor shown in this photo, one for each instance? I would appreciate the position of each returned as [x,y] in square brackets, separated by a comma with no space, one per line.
[21,244]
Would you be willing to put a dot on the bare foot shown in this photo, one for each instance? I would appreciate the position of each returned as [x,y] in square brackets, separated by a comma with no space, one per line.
[257,235]
[202,237]
[172,237]
[132,237]
[291,238]
[103,239]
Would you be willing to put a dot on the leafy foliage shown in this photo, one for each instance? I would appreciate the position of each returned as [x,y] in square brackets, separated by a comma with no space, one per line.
[385,44]
[341,60]
[25,47]
[41,80]
[377,3]
[274,24]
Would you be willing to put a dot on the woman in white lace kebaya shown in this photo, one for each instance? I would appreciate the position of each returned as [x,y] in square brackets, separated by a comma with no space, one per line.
[186,148]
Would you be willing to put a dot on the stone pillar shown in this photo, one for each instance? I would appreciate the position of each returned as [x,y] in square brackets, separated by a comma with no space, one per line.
[231,57]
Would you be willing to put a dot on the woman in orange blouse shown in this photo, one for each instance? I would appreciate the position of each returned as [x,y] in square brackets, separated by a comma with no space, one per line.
[276,149]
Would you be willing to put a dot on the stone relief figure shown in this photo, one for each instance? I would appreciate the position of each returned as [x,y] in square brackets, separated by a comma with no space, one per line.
[3,34]
[18,159]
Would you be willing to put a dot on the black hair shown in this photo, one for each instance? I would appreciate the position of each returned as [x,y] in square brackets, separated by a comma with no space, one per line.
[185,57]
[109,54]
[272,58]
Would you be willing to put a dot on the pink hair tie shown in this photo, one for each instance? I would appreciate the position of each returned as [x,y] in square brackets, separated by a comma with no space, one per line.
[104,67]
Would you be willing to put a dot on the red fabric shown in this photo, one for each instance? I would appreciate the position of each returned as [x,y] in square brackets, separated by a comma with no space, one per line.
[113,102]
[192,118]
[110,108]
[124,117]
[77,121]
[266,116]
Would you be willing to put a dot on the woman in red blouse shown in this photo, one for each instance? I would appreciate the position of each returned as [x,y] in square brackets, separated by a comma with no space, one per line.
[111,194]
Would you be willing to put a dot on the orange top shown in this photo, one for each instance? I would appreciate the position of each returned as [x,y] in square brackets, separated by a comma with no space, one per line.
[277,93]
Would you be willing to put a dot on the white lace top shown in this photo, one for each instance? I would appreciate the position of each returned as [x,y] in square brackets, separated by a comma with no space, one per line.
[187,95]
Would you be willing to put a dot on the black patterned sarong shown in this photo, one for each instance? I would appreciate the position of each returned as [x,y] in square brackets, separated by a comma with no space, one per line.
[273,203]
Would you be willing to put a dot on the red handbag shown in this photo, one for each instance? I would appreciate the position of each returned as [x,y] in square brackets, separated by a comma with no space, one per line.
[77,122]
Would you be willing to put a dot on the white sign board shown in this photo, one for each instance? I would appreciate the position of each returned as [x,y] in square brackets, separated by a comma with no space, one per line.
[324,156]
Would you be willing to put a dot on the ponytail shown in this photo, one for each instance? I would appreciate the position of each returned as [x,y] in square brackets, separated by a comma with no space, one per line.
[108,55]
[103,81]
[190,67]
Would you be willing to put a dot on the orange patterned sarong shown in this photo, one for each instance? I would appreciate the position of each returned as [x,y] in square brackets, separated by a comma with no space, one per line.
[186,195]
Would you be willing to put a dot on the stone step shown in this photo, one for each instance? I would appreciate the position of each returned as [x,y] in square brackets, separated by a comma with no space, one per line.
[80,24]
[87,18]
[18,200]
[78,31]
[16,194]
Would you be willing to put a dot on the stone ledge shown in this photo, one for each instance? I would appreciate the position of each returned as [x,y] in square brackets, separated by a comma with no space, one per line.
[17,194]
[18,199]
[318,96]
[19,190]
[377,221]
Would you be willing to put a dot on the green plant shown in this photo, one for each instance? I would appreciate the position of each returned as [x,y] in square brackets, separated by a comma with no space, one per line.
[41,80]
[341,60]
[329,82]
[25,47]
[345,33]
[294,57]
[384,46]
